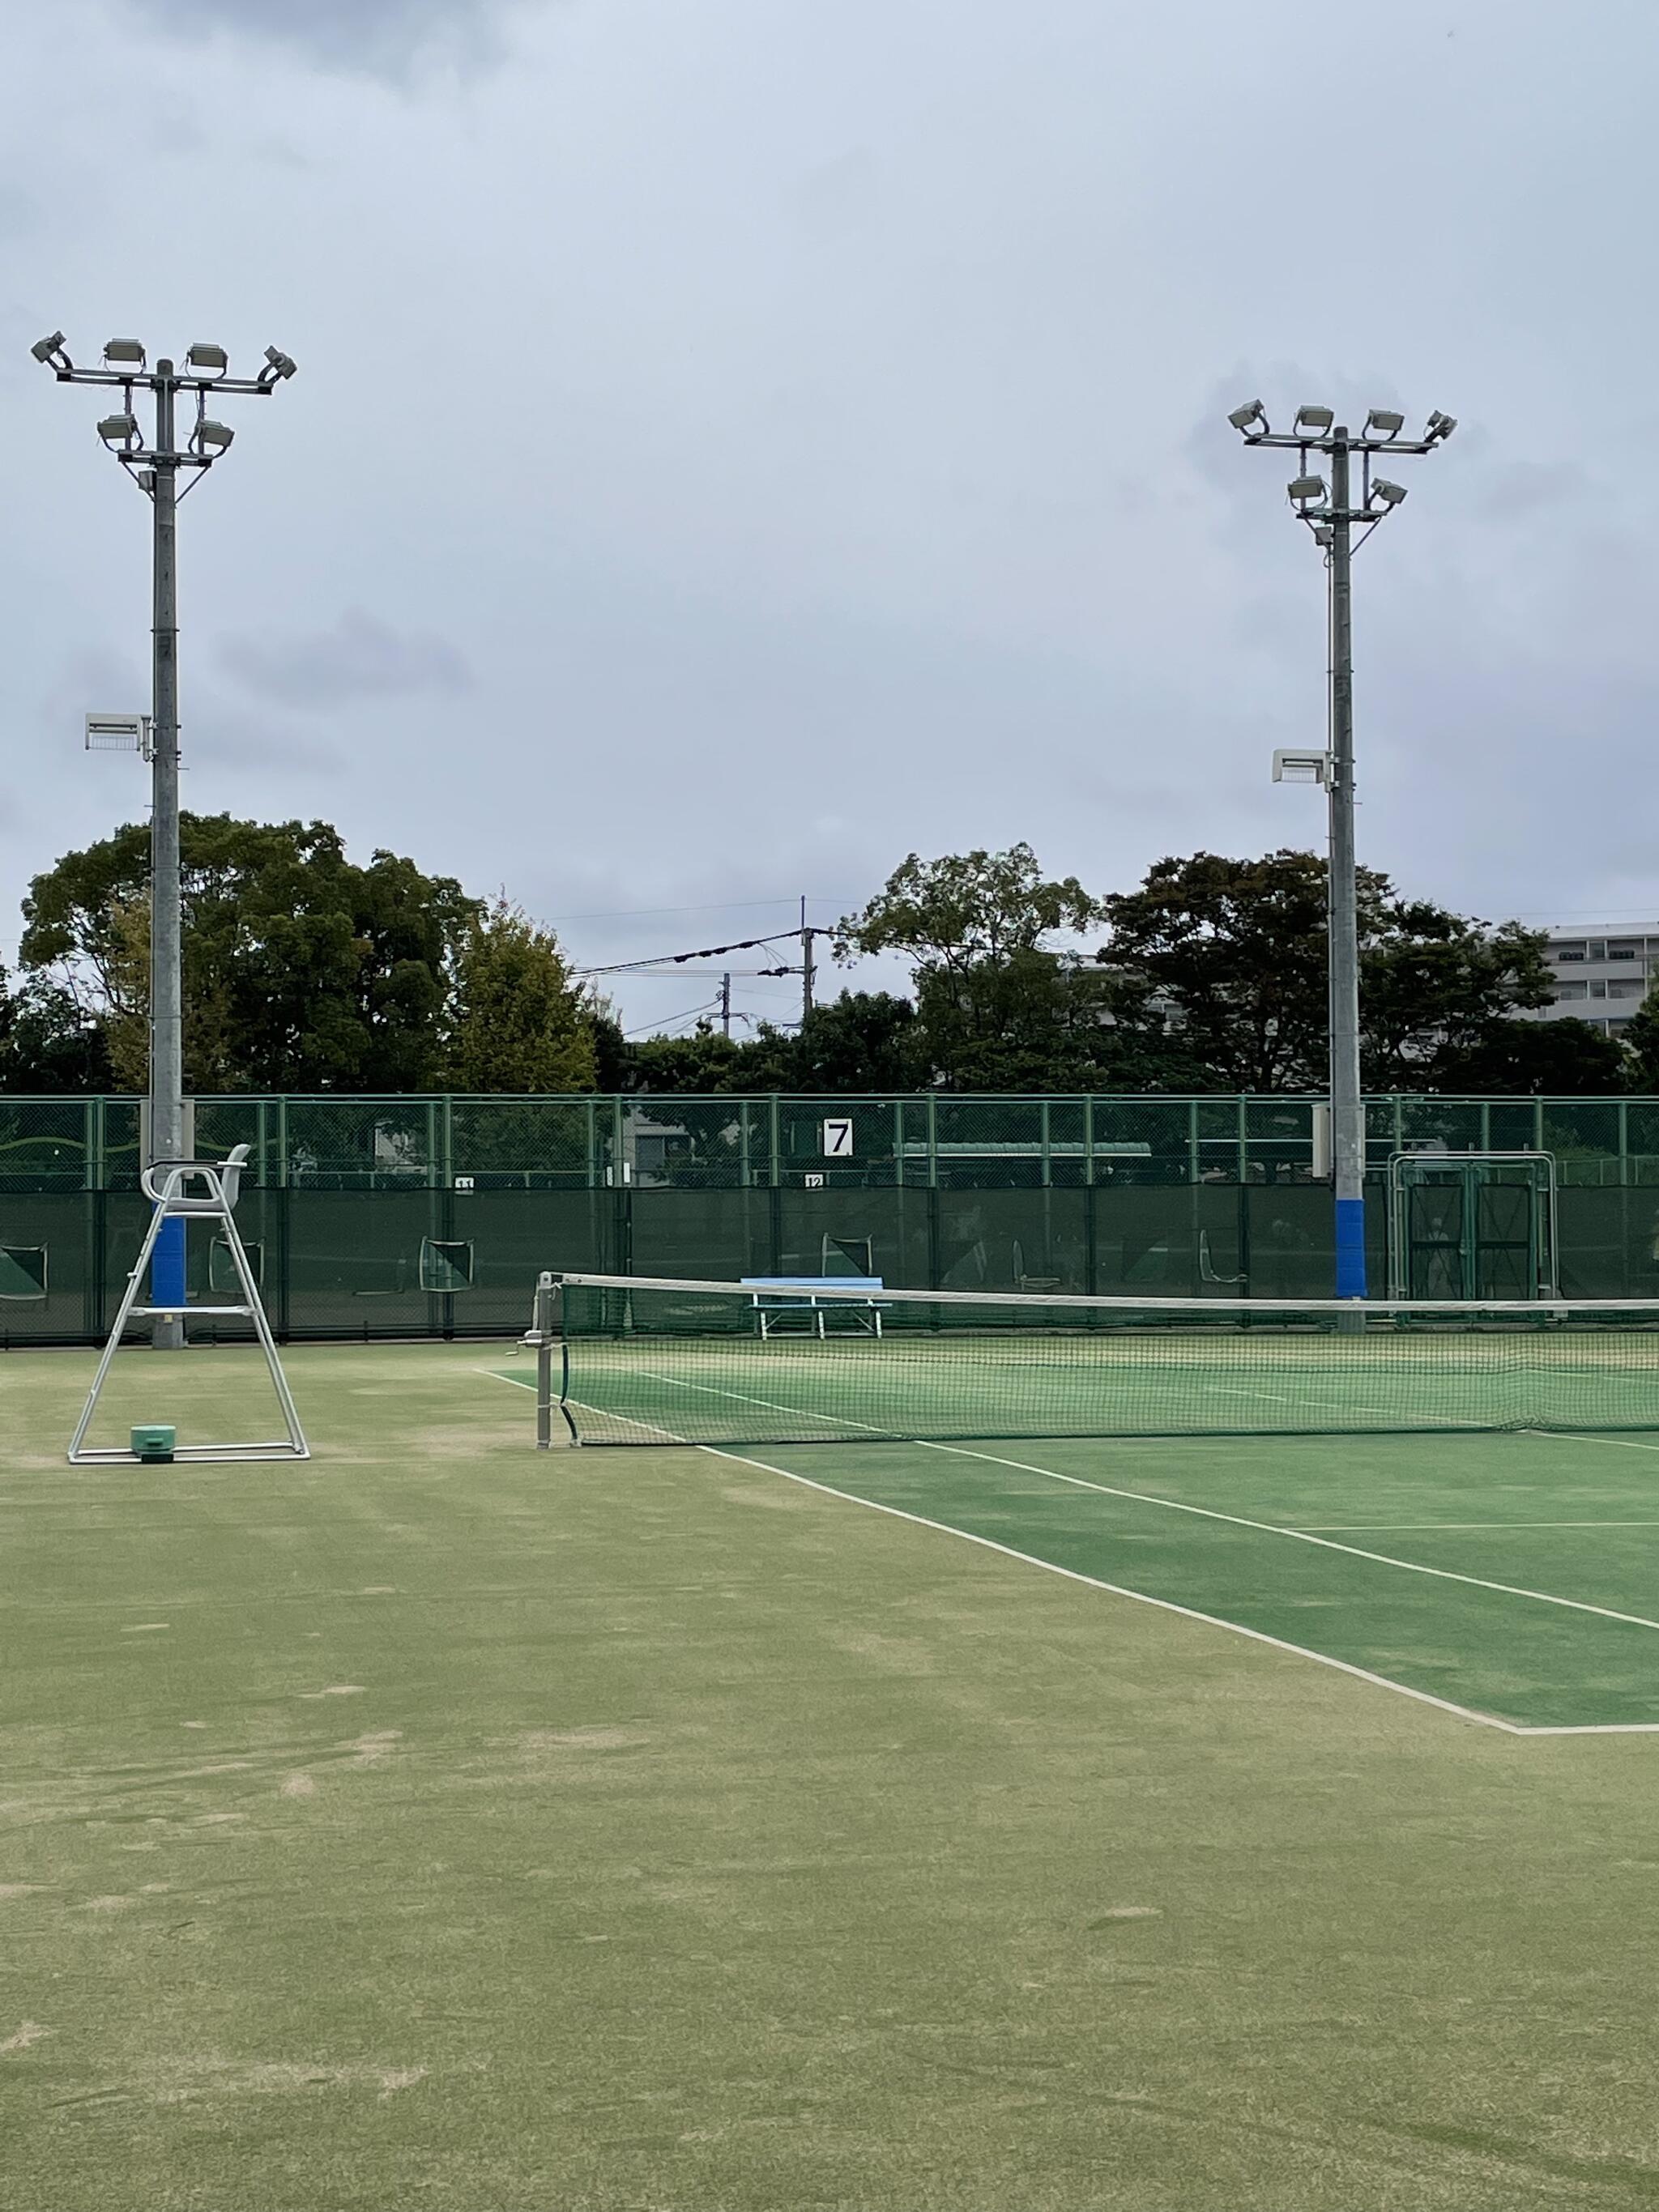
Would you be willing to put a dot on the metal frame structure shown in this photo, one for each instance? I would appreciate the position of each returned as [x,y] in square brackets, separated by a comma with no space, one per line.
[1546,1250]
[185,1190]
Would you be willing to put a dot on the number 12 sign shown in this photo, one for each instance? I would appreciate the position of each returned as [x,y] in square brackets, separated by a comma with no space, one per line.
[838,1137]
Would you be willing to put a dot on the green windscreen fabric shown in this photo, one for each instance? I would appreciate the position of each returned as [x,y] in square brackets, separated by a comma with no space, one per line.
[749,1363]
[22,1271]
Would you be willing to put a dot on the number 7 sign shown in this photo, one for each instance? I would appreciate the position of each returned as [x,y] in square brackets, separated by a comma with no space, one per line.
[838,1137]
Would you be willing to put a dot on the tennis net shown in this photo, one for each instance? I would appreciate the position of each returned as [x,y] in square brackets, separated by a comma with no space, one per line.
[634,1360]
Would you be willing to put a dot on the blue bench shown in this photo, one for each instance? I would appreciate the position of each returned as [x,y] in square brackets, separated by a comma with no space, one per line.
[780,1299]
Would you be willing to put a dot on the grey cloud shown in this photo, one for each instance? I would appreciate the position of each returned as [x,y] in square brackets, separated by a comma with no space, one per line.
[1525,488]
[379,38]
[359,659]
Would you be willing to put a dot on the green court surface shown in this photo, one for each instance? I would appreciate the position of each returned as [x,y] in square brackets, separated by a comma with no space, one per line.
[439,1822]
[1140,1379]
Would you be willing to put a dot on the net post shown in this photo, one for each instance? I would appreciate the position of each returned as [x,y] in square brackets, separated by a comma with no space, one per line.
[542,1335]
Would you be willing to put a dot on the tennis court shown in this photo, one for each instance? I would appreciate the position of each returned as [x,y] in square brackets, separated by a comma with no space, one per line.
[1465,1514]
[437,1818]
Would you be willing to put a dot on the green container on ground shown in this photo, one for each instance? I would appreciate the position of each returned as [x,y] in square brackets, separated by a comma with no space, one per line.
[155,1444]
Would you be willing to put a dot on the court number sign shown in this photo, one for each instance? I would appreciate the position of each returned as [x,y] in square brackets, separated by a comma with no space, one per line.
[838,1137]
[811,1181]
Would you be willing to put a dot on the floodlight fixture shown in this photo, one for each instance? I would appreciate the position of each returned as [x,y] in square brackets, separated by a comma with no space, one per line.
[124,353]
[1246,417]
[119,733]
[1385,422]
[1314,420]
[1441,427]
[209,358]
[1292,764]
[51,351]
[1306,492]
[122,429]
[210,437]
[1389,495]
[278,364]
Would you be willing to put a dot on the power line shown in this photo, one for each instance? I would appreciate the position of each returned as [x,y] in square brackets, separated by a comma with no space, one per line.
[661,1028]
[707,905]
[663,962]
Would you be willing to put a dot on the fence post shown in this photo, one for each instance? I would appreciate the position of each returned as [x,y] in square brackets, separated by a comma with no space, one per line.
[774,1181]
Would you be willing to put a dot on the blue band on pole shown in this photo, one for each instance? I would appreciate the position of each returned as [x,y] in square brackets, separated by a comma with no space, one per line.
[166,1265]
[1350,1247]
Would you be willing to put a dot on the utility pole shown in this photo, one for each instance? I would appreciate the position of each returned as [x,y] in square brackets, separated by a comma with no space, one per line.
[808,971]
[726,1006]
[1332,516]
[154,468]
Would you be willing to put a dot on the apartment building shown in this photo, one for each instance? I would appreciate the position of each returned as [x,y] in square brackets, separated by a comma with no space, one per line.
[1602,973]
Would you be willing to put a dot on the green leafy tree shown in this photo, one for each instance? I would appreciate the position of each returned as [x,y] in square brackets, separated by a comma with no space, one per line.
[861,1041]
[1641,1044]
[1234,952]
[516,1022]
[699,1063]
[999,1006]
[1438,995]
[48,1043]
[303,971]
[1564,1059]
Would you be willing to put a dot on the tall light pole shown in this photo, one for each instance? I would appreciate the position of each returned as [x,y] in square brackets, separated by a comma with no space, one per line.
[154,467]
[1334,516]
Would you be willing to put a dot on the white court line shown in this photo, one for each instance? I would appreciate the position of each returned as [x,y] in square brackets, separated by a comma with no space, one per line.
[1300,1536]
[1404,1527]
[1202,1512]
[1166,1604]
[1578,1436]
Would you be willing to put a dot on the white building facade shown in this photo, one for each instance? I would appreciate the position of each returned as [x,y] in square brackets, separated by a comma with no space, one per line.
[1602,973]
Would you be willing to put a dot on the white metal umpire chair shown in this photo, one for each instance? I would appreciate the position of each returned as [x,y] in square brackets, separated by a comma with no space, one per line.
[194,1190]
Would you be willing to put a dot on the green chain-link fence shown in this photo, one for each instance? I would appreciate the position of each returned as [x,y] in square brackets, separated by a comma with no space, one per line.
[409,1216]
[934,1142]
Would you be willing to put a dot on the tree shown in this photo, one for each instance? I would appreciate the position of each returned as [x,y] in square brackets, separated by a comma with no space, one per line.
[303,971]
[958,913]
[703,1062]
[1438,994]
[861,1041]
[1565,1058]
[1641,1044]
[997,1007]
[47,1044]
[515,1022]
[1234,952]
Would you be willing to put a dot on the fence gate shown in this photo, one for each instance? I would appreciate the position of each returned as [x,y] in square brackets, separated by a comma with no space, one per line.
[1472,1225]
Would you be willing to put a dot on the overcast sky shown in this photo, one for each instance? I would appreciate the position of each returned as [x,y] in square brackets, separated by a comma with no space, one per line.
[738,441]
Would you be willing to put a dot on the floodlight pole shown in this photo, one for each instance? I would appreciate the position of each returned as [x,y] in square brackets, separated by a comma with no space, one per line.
[1342,897]
[154,468]
[1333,517]
[167,986]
